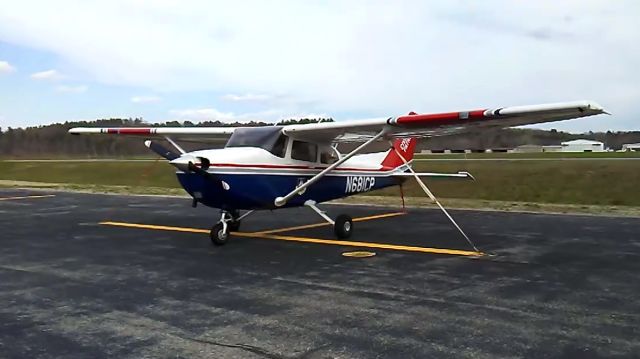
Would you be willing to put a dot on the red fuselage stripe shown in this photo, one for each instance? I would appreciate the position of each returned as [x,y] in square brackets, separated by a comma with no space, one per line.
[236,165]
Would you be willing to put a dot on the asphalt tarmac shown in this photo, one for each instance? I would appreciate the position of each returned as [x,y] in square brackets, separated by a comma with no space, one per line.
[106,276]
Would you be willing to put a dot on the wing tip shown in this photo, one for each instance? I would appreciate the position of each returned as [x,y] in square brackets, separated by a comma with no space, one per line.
[593,106]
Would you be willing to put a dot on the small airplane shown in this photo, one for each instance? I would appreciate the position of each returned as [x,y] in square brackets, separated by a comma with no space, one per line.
[271,167]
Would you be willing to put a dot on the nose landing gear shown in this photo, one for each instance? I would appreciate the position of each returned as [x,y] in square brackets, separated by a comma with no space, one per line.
[229,222]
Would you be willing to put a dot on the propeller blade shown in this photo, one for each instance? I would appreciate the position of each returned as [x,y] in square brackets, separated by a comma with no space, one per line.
[161,150]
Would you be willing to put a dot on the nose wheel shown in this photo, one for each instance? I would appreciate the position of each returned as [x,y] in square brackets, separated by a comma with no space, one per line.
[219,234]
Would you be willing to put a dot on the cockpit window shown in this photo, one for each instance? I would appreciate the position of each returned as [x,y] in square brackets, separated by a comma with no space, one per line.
[269,138]
[304,151]
[328,155]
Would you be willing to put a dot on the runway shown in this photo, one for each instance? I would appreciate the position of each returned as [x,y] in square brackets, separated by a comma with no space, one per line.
[88,275]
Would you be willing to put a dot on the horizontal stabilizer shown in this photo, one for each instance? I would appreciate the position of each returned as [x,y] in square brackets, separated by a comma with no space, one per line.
[459,175]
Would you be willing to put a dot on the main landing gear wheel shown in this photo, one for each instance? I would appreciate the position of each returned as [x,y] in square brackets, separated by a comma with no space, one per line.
[219,234]
[343,226]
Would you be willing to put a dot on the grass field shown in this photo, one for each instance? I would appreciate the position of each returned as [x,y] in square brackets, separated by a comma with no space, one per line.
[595,182]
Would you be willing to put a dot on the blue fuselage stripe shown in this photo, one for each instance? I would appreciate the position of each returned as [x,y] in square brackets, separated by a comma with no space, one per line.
[258,191]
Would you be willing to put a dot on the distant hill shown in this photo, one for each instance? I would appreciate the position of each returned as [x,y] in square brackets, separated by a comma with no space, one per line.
[53,141]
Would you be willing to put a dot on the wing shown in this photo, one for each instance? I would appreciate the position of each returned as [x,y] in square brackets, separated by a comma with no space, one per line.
[414,125]
[183,133]
[442,124]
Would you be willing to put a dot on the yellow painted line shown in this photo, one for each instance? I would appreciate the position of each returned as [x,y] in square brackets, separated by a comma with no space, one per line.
[314,225]
[395,247]
[151,226]
[363,244]
[27,197]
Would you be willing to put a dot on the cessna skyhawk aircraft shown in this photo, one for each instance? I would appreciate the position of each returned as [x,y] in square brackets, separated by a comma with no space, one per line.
[266,168]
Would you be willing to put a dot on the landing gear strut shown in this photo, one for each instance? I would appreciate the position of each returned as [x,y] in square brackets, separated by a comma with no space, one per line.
[229,222]
[342,226]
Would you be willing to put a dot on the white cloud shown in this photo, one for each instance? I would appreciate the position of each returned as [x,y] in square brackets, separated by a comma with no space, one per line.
[212,114]
[145,99]
[48,75]
[376,58]
[71,89]
[202,114]
[6,68]
[249,97]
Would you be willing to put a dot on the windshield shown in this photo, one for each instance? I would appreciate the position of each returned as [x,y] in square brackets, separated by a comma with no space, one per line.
[268,138]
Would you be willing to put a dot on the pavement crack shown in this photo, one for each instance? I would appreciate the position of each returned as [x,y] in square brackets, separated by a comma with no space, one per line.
[250,348]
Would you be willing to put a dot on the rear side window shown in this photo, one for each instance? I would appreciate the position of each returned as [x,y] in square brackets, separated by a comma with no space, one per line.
[304,151]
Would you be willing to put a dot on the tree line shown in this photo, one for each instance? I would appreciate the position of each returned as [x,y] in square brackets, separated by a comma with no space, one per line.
[53,141]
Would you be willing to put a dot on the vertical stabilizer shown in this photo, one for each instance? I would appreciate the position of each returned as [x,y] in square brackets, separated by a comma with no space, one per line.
[406,147]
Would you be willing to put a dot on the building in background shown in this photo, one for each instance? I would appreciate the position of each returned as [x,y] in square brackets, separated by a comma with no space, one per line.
[631,147]
[552,148]
[582,146]
[528,149]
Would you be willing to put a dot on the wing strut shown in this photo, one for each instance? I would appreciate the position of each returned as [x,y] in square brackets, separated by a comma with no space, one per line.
[281,201]
[435,200]
[175,145]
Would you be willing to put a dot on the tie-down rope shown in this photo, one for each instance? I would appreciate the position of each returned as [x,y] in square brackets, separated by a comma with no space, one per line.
[435,200]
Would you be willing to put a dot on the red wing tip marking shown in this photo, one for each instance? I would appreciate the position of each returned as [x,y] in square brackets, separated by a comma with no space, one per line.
[440,117]
[130,131]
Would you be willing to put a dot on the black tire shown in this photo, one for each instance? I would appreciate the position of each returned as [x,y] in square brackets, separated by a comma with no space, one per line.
[218,236]
[343,226]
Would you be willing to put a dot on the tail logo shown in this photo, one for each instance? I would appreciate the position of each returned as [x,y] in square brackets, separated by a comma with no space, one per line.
[404,145]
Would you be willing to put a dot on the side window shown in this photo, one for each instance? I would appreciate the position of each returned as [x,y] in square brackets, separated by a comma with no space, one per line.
[280,146]
[328,155]
[304,151]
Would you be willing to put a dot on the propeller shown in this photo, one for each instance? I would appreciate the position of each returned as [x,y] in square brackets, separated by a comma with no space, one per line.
[199,166]
[187,163]
[160,150]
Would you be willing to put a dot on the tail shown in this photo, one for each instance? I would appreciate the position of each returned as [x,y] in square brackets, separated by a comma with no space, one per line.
[404,146]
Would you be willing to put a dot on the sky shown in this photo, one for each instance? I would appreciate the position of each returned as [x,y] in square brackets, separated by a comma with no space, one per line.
[241,60]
